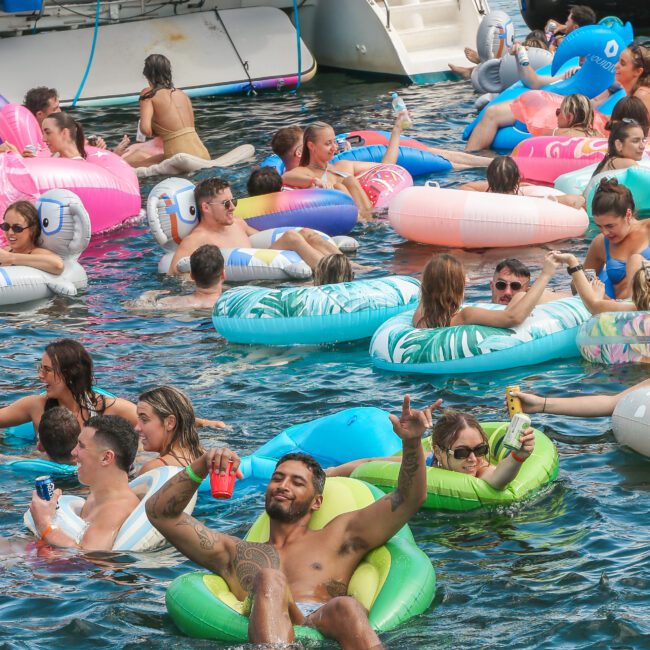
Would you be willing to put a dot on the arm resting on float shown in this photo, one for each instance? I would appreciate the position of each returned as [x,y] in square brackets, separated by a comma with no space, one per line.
[591,406]
[499,477]
[21,411]
[347,468]
[40,259]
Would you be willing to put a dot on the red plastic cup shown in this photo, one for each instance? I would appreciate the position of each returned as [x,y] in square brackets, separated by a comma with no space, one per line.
[222,486]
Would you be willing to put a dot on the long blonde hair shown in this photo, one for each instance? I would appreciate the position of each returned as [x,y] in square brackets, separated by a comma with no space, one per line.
[309,135]
[443,288]
[583,114]
[641,287]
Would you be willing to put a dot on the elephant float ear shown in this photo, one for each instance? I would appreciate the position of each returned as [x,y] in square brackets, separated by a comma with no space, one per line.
[601,48]
[172,212]
[65,224]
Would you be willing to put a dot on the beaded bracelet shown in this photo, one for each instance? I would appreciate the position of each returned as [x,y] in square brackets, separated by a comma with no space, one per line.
[190,472]
[544,407]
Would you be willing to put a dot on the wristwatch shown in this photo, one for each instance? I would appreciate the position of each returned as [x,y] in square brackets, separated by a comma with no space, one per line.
[574,269]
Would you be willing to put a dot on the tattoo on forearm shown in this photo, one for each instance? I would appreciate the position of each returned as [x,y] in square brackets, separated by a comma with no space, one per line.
[250,559]
[407,473]
[205,537]
[172,497]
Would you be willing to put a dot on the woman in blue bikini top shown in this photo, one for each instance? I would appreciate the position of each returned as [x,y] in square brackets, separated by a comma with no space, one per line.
[618,252]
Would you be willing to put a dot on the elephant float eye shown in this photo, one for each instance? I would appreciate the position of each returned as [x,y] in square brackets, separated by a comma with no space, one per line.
[51,215]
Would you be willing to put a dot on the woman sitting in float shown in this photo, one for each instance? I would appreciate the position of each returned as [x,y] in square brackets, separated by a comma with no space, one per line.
[460,444]
[625,146]
[632,72]
[167,425]
[443,292]
[503,177]
[624,241]
[315,169]
[167,112]
[22,230]
[66,372]
[64,136]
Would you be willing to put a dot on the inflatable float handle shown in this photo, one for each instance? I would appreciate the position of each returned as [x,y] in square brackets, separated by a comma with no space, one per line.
[432,184]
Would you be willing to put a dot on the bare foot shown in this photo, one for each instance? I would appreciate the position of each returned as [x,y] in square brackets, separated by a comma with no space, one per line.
[460,70]
[472,55]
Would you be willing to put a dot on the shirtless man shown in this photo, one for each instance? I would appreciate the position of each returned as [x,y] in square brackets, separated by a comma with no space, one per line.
[218,226]
[206,270]
[301,576]
[512,277]
[105,450]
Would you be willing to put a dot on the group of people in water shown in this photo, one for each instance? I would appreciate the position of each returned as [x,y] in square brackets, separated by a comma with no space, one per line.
[301,576]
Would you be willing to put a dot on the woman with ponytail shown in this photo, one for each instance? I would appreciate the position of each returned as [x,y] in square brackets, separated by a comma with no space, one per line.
[64,136]
[624,241]
[625,145]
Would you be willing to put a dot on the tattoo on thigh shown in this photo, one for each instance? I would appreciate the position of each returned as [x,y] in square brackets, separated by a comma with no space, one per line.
[251,558]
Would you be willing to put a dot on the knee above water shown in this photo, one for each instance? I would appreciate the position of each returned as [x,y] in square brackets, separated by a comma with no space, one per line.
[270,581]
[348,608]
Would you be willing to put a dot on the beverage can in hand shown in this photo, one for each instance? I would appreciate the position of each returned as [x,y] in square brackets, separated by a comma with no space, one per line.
[514,403]
[519,423]
[32,148]
[222,486]
[44,486]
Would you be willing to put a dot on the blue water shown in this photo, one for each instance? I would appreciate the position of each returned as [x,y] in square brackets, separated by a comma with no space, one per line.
[569,569]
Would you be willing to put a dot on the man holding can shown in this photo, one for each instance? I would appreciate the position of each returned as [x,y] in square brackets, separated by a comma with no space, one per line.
[301,576]
[105,450]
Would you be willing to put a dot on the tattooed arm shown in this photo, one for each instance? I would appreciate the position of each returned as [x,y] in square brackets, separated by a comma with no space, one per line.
[206,547]
[372,526]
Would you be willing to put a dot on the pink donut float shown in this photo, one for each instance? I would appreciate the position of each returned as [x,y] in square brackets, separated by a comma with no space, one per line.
[107,186]
[382,182]
[462,219]
[545,158]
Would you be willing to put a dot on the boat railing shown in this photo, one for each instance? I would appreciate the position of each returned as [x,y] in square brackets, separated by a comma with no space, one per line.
[387,8]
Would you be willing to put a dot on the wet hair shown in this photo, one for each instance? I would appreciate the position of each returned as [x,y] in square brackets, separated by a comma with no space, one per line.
[332,269]
[443,288]
[166,401]
[503,176]
[448,426]
[37,99]
[29,213]
[58,432]
[66,121]
[641,56]
[207,189]
[310,134]
[158,72]
[285,139]
[73,364]
[206,265]
[641,287]
[582,15]
[118,435]
[611,197]
[582,112]
[536,38]
[617,131]
[264,180]
[514,266]
[317,472]
[631,108]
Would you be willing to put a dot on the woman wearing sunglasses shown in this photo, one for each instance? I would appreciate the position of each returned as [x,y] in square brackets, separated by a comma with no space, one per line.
[21,228]
[460,445]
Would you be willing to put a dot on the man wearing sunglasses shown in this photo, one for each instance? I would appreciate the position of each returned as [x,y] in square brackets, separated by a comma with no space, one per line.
[219,227]
[512,277]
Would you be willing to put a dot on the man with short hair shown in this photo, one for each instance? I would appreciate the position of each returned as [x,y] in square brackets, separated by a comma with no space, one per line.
[104,453]
[218,226]
[287,144]
[300,576]
[264,180]
[512,277]
[41,102]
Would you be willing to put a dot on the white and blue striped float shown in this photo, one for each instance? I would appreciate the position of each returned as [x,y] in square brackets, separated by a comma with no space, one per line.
[548,333]
[329,313]
[136,534]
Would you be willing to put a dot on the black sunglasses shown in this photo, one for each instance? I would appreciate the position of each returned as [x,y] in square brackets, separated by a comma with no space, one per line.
[461,453]
[226,204]
[502,284]
[6,227]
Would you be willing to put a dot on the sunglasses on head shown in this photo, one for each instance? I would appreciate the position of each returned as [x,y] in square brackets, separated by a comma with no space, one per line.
[6,227]
[502,284]
[226,204]
[629,120]
[461,453]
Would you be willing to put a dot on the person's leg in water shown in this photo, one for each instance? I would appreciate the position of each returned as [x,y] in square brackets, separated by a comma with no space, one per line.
[307,243]
[461,159]
[461,70]
[494,118]
[269,621]
[351,186]
[345,620]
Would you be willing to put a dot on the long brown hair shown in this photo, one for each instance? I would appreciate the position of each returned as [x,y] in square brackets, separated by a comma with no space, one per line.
[641,56]
[66,121]
[30,214]
[619,131]
[443,288]
[448,426]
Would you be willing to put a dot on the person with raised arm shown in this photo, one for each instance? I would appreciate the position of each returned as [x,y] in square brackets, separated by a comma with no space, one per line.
[300,576]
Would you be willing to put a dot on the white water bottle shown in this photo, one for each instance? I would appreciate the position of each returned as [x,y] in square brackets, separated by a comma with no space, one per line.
[139,136]
[400,107]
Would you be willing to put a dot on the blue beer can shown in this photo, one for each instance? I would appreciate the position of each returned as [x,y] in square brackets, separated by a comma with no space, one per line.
[44,487]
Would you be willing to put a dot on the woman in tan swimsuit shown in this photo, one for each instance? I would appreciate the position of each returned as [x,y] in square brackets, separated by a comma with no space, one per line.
[167,112]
